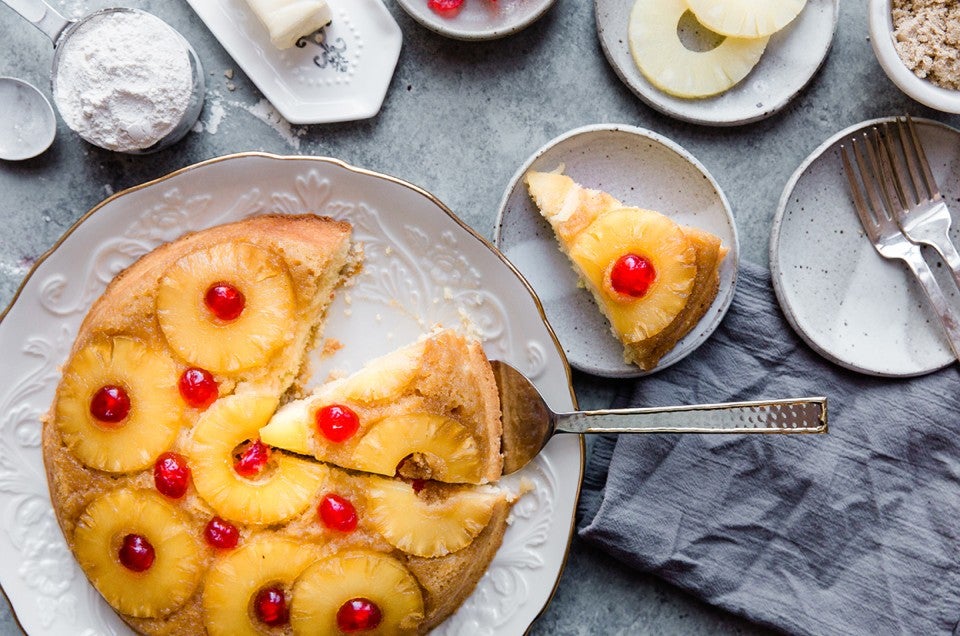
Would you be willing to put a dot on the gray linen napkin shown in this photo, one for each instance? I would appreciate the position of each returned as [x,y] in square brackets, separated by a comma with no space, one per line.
[855,532]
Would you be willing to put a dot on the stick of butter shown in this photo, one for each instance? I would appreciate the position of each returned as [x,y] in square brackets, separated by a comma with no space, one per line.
[288,20]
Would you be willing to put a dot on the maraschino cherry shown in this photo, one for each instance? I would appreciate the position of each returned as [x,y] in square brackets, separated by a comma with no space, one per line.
[337,513]
[221,534]
[358,615]
[171,475]
[110,404]
[270,606]
[632,275]
[252,459]
[136,553]
[197,387]
[224,301]
[337,422]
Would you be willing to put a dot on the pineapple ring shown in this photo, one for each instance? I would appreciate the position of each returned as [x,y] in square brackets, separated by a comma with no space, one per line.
[427,528]
[233,581]
[156,410]
[446,446]
[285,491]
[326,585]
[648,234]
[745,18]
[673,68]
[176,570]
[261,329]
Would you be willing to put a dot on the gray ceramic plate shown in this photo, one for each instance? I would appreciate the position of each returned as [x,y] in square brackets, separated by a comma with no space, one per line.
[640,168]
[852,306]
[478,19]
[790,61]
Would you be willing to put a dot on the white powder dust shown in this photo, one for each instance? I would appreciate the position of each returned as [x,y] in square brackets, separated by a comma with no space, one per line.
[124,80]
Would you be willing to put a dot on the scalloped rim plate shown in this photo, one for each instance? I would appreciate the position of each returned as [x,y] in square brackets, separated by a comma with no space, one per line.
[793,56]
[640,168]
[479,19]
[851,305]
[343,78]
[423,267]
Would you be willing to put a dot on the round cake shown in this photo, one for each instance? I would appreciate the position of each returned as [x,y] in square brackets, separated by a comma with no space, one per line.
[187,522]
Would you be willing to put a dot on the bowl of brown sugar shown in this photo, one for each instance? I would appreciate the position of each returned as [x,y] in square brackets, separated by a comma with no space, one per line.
[917,43]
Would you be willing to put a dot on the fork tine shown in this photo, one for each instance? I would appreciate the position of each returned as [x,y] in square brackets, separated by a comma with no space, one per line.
[891,173]
[933,191]
[883,211]
[866,218]
[910,148]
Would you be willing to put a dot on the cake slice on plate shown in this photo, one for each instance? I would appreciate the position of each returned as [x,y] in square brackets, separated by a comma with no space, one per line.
[652,278]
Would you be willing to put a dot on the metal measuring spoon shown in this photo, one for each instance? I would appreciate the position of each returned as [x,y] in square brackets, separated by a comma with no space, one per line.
[59,29]
[29,125]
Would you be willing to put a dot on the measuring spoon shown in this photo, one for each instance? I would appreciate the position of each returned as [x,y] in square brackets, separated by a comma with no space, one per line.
[29,125]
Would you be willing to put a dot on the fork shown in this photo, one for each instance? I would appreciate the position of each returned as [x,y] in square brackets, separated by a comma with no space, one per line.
[876,212]
[920,209]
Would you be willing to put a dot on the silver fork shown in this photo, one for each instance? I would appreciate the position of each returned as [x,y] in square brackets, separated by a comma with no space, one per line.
[876,212]
[920,209]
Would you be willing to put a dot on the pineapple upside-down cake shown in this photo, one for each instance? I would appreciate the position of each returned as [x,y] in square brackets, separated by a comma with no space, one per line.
[195,507]
[652,278]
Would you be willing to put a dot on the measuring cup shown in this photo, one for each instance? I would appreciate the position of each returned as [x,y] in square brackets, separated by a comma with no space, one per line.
[59,29]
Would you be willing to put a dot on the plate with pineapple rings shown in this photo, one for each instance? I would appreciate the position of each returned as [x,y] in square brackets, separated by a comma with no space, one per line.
[716,62]
[628,241]
[152,484]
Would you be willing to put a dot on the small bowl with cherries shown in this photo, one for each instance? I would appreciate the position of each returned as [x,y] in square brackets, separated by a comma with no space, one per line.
[904,38]
[476,19]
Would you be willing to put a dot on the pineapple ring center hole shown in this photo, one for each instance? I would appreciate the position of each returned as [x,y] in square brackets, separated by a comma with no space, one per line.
[696,37]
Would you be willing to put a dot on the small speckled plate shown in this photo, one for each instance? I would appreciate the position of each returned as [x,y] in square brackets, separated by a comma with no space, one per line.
[478,19]
[851,305]
[792,58]
[640,168]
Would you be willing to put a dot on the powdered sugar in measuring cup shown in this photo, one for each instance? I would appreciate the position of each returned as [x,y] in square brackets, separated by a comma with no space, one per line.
[124,80]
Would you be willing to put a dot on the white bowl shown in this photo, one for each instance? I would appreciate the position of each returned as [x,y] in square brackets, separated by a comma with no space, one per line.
[924,91]
[479,19]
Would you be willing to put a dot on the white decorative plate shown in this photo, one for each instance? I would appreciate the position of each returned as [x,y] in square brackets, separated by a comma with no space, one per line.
[343,78]
[478,19]
[791,59]
[640,168]
[422,267]
[851,305]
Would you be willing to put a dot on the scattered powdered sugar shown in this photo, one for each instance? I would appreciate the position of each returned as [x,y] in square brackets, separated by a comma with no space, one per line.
[265,112]
[124,80]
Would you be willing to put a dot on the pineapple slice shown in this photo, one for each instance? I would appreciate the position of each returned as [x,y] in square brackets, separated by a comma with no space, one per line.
[568,207]
[436,521]
[233,582]
[647,234]
[147,377]
[175,571]
[284,489]
[745,18]
[322,596]
[673,68]
[258,323]
[442,448]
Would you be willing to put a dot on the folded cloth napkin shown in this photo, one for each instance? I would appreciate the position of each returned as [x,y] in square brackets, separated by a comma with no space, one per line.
[853,532]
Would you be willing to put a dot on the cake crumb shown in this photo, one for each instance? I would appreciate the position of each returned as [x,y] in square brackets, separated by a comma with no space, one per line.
[927,38]
[330,347]
[228,73]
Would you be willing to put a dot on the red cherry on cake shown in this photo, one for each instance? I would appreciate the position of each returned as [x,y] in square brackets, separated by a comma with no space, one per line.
[337,422]
[337,513]
[198,388]
[358,615]
[224,301]
[171,475]
[632,275]
[136,553]
[221,534]
[252,459]
[270,606]
[110,404]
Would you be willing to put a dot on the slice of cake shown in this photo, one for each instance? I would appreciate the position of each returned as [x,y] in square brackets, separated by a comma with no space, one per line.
[429,410]
[652,278]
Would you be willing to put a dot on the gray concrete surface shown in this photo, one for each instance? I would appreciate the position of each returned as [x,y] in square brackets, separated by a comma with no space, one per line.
[458,120]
